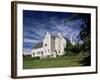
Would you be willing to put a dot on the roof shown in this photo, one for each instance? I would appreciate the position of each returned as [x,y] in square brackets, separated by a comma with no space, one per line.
[66,39]
[52,36]
[38,45]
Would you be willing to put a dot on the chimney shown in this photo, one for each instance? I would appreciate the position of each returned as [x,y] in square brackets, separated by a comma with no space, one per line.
[71,39]
[48,33]
[59,34]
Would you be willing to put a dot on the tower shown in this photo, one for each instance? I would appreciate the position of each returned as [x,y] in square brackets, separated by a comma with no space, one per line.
[71,40]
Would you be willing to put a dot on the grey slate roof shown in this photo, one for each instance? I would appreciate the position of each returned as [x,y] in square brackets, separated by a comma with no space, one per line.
[67,39]
[53,36]
[38,45]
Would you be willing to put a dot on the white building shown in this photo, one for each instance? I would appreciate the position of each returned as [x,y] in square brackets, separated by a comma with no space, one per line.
[50,47]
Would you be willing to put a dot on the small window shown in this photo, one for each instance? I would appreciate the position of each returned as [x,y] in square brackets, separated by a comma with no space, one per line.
[41,53]
[45,44]
[64,45]
[45,51]
[55,51]
[59,51]
[33,53]
[38,53]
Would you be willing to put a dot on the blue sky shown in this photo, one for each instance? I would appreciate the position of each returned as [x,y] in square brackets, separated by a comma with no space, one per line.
[37,23]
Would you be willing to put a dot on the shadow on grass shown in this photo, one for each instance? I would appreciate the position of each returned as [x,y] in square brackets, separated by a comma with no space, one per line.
[86,61]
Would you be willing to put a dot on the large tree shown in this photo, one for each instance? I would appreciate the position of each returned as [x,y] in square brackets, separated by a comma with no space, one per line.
[84,35]
[85,29]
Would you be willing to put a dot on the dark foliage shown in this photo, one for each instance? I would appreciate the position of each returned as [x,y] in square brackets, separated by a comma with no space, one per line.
[86,61]
[84,36]
[31,58]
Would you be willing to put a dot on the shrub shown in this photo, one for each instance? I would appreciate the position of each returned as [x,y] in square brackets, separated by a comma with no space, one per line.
[32,58]
[36,58]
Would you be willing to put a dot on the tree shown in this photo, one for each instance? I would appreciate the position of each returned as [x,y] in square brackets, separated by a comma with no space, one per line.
[67,48]
[72,49]
[85,33]
[85,29]
[84,36]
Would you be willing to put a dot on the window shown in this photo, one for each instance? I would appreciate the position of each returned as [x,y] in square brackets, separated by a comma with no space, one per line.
[33,53]
[38,53]
[55,51]
[59,51]
[45,51]
[64,45]
[45,44]
[41,53]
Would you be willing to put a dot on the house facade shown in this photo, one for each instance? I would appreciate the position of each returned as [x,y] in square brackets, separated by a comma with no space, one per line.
[52,46]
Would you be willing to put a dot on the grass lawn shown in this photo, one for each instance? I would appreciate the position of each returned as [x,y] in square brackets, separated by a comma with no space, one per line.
[67,61]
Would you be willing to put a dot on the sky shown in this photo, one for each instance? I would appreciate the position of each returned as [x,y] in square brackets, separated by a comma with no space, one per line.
[37,23]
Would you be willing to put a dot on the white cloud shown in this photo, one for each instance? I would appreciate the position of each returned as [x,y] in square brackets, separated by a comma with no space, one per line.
[27,51]
[27,40]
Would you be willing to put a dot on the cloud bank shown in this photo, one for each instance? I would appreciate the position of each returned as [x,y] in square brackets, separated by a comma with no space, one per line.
[37,23]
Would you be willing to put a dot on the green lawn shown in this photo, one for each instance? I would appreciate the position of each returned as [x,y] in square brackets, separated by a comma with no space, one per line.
[67,61]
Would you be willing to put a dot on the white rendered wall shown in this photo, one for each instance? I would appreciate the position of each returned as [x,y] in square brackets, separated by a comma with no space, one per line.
[35,51]
[47,40]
